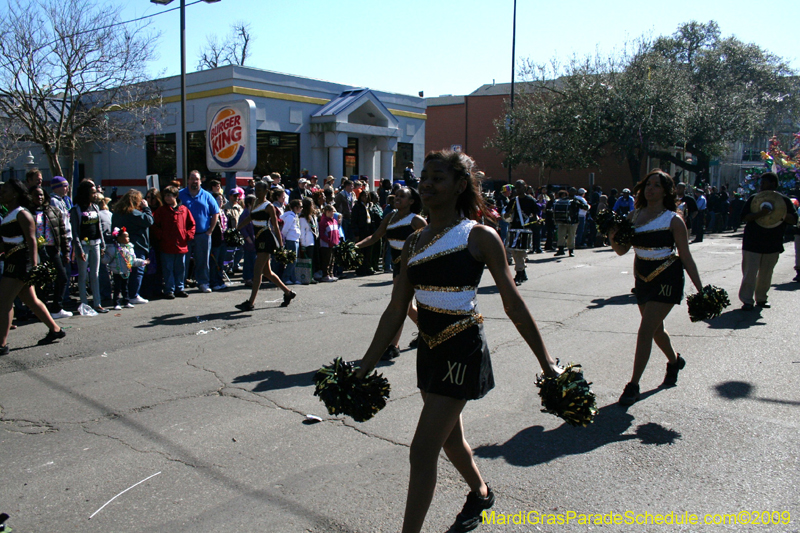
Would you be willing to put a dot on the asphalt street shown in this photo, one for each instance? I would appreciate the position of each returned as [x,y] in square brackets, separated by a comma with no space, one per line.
[190,416]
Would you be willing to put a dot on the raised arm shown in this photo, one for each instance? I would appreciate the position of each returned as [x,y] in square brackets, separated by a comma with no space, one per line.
[375,237]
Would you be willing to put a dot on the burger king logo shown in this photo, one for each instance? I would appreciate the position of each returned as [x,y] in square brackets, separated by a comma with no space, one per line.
[226,141]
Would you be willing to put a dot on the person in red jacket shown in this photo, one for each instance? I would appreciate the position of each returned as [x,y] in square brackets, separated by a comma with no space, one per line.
[173,228]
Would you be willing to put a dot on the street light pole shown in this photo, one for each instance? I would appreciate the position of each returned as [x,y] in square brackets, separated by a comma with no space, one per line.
[184,140]
[513,60]
[184,169]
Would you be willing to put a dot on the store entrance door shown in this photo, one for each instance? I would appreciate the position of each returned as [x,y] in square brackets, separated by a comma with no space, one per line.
[351,157]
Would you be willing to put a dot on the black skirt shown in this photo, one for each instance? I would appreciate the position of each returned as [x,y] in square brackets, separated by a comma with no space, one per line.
[265,240]
[18,264]
[459,367]
[665,287]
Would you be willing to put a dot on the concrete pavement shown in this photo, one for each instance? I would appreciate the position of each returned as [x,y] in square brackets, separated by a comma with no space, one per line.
[218,418]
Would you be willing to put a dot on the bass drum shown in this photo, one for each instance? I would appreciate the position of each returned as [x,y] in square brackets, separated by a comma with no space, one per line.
[519,239]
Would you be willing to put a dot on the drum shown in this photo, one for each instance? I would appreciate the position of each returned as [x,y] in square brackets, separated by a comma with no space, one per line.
[519,239]
[561,211]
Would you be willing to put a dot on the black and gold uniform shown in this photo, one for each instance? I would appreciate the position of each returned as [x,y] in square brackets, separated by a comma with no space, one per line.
[17,257]
[396,233]
[452,358]
[264,237]
[658,269]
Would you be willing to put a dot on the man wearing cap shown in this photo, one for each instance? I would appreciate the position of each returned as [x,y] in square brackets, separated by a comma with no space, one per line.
[762,244]
[61,200]
[583,209]
[301,191]
[624,203]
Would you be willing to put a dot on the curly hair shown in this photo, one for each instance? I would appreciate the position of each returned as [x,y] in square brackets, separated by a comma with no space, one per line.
[667,183]
[470,202]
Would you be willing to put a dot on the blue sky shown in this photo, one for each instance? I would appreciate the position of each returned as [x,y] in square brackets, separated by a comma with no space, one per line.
[444,47]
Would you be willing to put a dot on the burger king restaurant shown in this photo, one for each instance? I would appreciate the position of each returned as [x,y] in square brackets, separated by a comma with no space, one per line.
[240,117]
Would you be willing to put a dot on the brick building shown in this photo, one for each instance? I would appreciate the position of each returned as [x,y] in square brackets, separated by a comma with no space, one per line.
[467,122]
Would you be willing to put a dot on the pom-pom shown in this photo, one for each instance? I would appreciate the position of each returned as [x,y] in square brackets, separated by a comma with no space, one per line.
[708,303]
[568,396]
[41,275]
[233,237]
[608,220]
[347,255]
[285,257]
[344,394]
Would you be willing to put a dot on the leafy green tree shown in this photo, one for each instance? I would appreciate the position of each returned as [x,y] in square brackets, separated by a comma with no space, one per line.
[693,90]
[735,91]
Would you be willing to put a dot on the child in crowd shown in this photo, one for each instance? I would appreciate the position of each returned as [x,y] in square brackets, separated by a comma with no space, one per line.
[291,238]
[309,234]
[173,228]
[120,258]
[328,239]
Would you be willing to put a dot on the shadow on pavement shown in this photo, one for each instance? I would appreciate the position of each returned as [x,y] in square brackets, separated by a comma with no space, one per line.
[534,446]
[788,286]
[276,379]
[620,299]
[178,319]
[736,319]
[738,390]
[377,283]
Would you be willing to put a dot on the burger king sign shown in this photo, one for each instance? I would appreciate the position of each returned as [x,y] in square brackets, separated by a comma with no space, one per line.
[231,136]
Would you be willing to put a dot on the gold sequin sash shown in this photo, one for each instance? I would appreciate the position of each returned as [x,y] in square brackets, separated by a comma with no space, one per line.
[659,269]
[452,330]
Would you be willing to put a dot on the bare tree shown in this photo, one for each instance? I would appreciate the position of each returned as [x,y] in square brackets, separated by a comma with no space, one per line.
[71,74]
[11,141]
[233,50]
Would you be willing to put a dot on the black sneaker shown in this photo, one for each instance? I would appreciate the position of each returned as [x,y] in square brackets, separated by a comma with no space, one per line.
[518,279]
[245,306]
[287,298]
[4,349]
[169,296]
[671,377]
[52,336]
[470,516]
[630,395]
[391,352]
[181,294]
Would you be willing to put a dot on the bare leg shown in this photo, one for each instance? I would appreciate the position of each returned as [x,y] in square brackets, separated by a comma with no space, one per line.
[257,270]
[28,297]
[9,288]
[653,315]
[661,337]
[270,275]
[439,417]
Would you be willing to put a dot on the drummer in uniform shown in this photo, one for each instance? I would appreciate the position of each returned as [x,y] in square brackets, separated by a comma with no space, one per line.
[521,211]
[766,216]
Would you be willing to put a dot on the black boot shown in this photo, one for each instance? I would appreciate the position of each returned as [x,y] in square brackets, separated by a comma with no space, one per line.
[523,276]
[518,279]
[572,253]
[560,251]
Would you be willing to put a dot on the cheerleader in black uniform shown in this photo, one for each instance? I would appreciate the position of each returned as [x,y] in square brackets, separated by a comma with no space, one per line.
[18,231]
[397,227]
[267,239]
[658,272]
[441,265]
